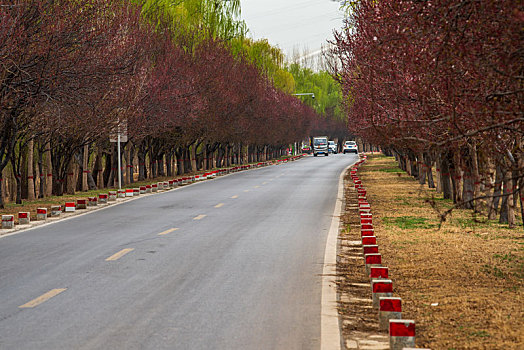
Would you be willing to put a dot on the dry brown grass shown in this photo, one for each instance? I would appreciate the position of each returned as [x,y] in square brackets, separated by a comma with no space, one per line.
[473,268]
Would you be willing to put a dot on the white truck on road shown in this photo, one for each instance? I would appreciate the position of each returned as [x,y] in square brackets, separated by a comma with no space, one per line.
[320,145]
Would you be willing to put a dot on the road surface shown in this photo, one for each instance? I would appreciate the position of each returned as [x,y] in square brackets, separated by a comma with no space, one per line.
[230,263]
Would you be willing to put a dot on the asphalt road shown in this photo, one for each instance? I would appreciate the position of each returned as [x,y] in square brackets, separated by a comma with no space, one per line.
[238,267]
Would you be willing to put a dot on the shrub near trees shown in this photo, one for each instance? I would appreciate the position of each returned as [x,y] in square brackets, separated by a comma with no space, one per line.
[439,83]
[71,71]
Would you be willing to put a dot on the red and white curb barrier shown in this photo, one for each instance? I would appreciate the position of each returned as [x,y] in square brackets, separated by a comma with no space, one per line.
[372,260]
[81,204]
[70,207]
[370,249]
[56,210]
[381,288]
[112,196]
[41,213]
[369,240]
[378,272]
[24,218]
[103,198]
[8,222]
[389,308]
[401,334]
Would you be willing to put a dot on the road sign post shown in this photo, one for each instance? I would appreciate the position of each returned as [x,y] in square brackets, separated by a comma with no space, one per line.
[121,136]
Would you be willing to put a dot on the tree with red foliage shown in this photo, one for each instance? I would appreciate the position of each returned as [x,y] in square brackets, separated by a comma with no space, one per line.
[439,80]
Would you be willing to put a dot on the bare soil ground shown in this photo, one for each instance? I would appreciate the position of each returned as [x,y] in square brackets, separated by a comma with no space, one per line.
[462,281]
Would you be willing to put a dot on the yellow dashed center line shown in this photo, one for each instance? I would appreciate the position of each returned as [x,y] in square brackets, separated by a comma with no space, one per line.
[120,254]
[219,205]
[234,197]
[256,186]
[43,298]
[168,231]
[200,217]
[264,183]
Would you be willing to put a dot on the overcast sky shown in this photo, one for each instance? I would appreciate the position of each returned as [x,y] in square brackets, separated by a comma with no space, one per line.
[292,23]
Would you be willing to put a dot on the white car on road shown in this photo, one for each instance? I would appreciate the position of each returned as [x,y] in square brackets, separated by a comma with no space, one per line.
[350,147]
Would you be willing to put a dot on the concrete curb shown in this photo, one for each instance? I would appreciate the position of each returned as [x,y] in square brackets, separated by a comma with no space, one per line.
[401,332]
[330,336]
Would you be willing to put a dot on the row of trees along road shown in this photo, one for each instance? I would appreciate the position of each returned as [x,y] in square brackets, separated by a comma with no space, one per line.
[193,91]
[440,83]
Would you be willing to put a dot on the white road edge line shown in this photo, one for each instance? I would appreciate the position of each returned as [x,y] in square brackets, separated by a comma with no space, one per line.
[329,320]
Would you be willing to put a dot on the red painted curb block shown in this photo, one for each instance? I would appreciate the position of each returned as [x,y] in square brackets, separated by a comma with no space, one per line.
[366,227]
[390,304]
[56,210]
[69,207]
[370,249]
[401,334]
[381,288]
[372,260]
[389,309]
[402,328]
[81,204]
[379,272]
[41,213]
[364,233]
[8,222]
[103,198]
[369,240]
[24,218]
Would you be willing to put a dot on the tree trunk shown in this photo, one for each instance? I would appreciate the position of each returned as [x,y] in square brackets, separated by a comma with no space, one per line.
[97,168]
[429,169]
[457,178]
[497,192]
[142,170]
[70,182]
[169,163]
[85,162]
[179,153]
[445,178]
[421,169]
[2,190]
[488,186]
[49,170]
[42,182]
[160,165]
[438,174]
[30,175]
[510,200]
[467,184]
[475,175]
